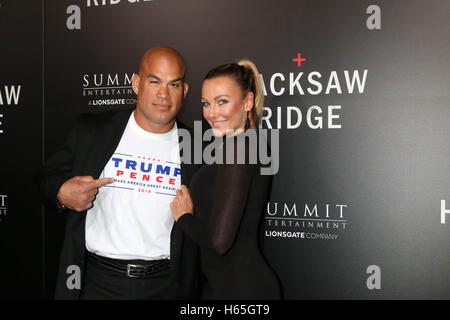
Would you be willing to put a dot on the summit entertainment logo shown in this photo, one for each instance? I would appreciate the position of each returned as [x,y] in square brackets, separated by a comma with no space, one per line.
[108,89]
[308,221]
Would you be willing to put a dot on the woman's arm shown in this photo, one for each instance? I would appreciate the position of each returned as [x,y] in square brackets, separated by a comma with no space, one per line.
[230,200]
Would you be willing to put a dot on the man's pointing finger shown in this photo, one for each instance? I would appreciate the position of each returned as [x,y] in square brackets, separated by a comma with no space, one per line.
[103,181]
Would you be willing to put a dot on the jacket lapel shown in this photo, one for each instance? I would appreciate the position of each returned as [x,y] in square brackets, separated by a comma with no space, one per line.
[177,234]
[109,137]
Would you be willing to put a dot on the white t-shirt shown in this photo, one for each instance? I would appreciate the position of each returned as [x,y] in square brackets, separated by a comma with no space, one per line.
[131,218]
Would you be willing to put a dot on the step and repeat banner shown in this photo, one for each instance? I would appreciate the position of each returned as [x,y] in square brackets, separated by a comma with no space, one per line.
[360,206]
[21,114]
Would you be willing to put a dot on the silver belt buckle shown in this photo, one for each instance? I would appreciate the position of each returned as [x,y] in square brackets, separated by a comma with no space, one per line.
[129,274]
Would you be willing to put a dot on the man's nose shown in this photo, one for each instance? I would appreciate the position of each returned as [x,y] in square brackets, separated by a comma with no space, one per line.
[162,93]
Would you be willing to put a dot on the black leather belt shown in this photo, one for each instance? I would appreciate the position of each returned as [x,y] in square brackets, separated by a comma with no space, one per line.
[130,270]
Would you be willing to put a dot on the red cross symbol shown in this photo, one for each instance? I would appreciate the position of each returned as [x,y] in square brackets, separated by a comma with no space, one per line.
[299,59]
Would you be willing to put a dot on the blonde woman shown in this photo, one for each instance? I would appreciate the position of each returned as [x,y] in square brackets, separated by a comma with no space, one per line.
[222,210]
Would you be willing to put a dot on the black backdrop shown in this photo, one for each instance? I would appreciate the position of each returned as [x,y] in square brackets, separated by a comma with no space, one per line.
[355,210]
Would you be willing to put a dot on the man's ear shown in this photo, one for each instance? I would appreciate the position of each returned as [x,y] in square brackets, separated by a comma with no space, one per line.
[135,83]
[186,89]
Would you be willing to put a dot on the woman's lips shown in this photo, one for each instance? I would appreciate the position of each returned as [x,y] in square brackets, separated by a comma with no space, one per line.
[218,123]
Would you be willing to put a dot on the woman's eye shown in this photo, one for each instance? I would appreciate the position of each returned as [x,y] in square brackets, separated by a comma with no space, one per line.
[222,101]
[204,104]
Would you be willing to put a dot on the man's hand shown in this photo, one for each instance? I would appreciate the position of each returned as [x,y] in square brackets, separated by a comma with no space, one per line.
[79,192]
[182,203]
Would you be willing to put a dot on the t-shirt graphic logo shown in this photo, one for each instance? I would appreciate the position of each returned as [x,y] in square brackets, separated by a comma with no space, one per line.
[144,174]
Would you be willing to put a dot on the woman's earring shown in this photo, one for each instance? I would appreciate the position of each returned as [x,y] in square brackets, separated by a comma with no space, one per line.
[247,122]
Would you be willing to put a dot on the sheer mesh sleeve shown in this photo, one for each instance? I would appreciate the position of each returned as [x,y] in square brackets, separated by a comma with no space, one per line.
[230,200]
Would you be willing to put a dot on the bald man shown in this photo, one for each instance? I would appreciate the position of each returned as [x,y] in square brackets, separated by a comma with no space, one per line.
[114,180]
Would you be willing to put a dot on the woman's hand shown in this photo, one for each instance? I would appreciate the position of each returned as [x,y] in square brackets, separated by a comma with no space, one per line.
[182,203]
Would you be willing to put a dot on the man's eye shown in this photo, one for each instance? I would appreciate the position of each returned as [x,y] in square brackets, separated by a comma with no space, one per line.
[154,82]
[175,85]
